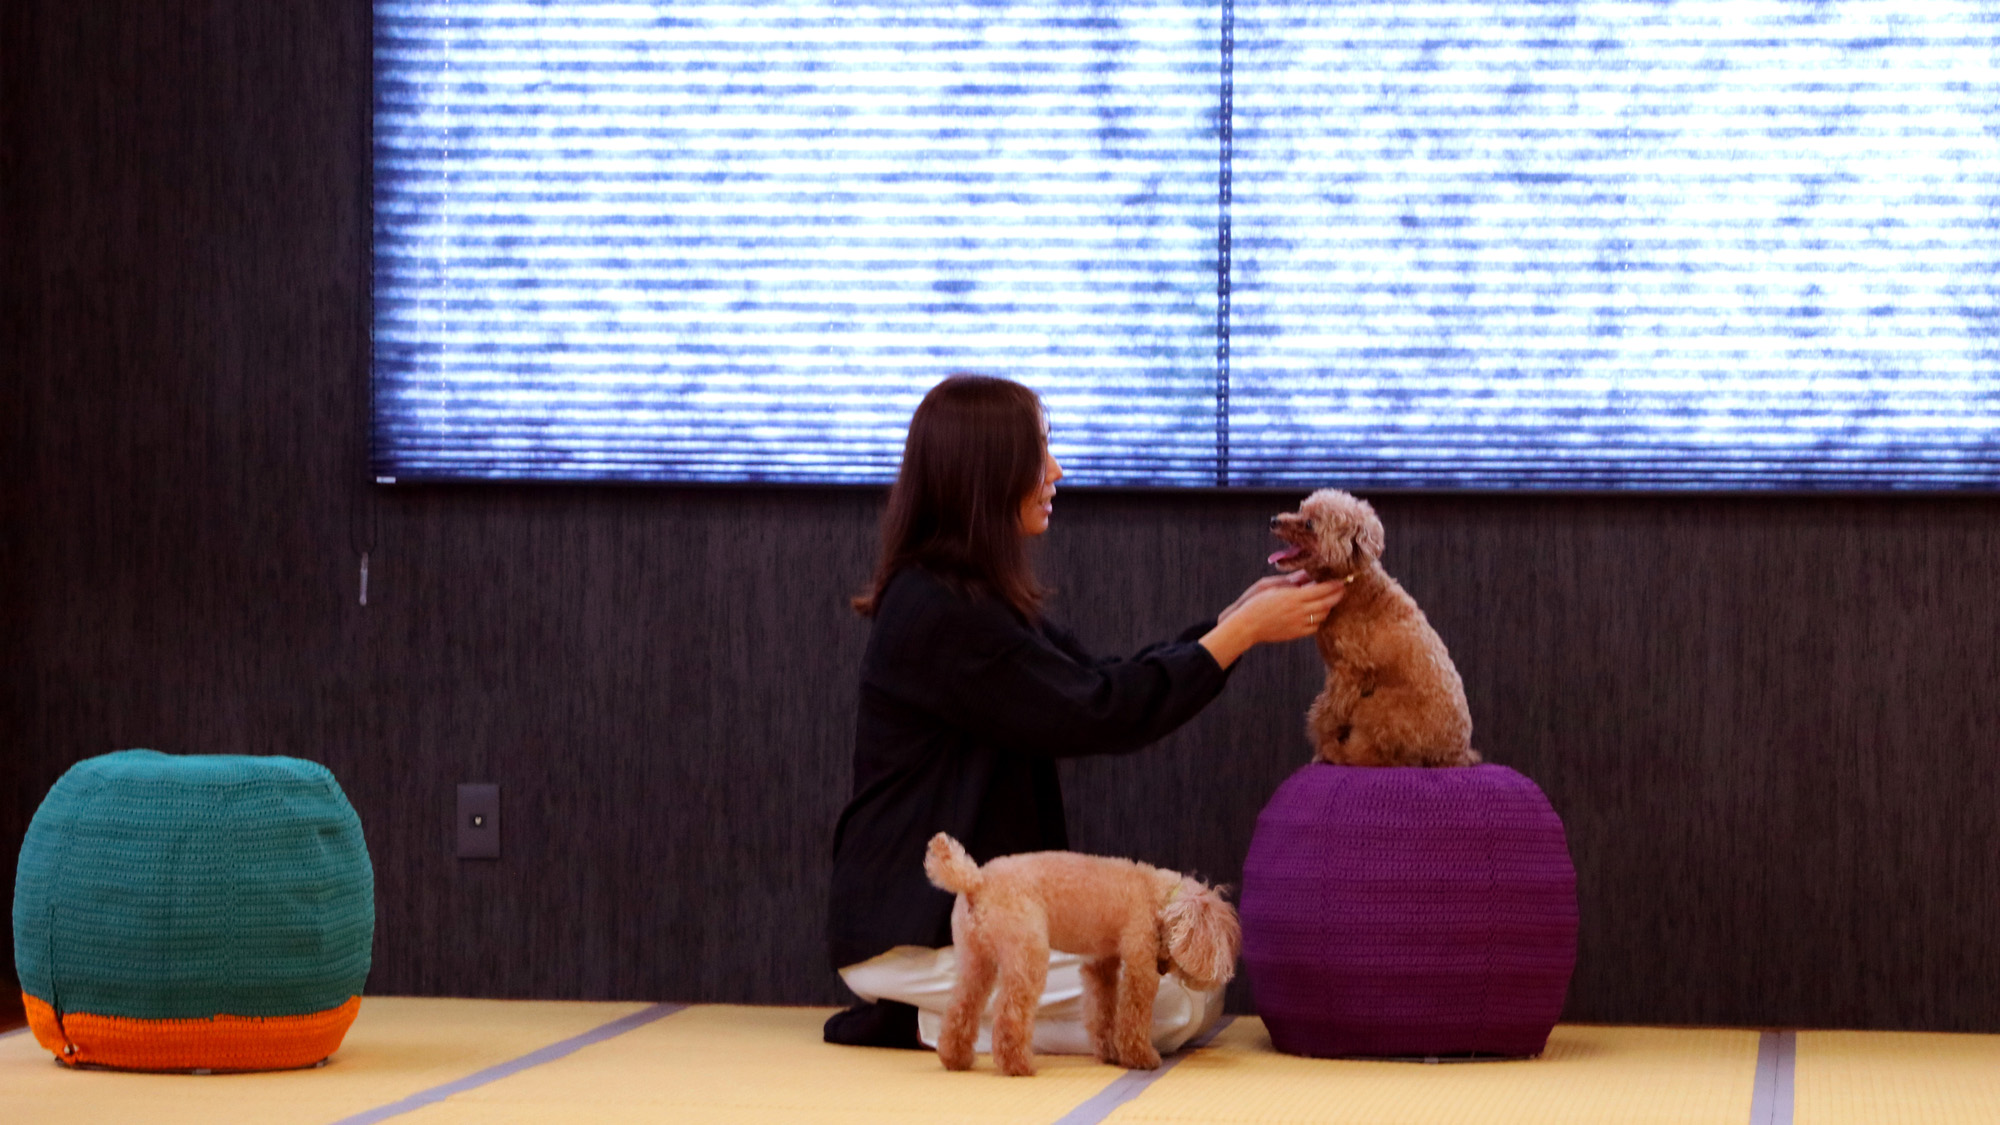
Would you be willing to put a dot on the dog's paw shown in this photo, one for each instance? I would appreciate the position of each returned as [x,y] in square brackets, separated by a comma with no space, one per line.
[1142,1057]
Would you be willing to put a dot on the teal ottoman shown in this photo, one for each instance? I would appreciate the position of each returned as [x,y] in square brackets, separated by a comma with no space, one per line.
[207,912]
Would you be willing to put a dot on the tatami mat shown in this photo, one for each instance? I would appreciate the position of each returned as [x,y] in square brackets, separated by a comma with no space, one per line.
[757,1065]
[1630,1075]
[1896,1078]
[397,1047]
[484,1062]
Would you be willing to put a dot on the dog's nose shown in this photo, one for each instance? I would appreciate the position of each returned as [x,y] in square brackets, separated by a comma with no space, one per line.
[1275,519]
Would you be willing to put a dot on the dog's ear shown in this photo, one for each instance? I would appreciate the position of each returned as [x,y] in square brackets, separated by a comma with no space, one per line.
[1330,533]
[1203,935]
[1368,537]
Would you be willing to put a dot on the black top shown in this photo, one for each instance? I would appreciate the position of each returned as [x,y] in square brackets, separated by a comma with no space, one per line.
[964,708]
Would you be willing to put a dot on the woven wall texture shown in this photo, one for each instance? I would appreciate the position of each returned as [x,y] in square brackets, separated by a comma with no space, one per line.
[1769,724]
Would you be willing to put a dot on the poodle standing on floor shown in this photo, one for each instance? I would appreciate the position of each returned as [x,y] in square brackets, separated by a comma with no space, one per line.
[1135,923]
[1392,696]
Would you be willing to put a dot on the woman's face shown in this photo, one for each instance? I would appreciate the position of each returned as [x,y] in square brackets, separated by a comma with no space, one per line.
[1039,504]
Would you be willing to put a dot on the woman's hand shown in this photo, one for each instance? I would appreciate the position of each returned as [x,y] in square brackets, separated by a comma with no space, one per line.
[1282,607]
[1295,578]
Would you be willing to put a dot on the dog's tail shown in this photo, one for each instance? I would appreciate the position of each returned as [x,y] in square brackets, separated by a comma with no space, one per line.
[949,867]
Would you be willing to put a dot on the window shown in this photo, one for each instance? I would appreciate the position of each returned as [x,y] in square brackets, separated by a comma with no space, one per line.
[1709,244]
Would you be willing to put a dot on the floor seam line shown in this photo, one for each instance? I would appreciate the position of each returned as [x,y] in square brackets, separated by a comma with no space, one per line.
[1777,1064]
[1788,1059]
[1132,1083]
[498,1071]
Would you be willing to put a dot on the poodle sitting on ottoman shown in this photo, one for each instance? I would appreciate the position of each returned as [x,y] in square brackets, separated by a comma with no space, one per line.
[1134,922]
[1392,695]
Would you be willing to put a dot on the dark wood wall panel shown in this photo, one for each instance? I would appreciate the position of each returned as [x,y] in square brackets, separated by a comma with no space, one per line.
[1769,724]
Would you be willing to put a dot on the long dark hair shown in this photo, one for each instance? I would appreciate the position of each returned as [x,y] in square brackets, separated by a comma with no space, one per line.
[974,454]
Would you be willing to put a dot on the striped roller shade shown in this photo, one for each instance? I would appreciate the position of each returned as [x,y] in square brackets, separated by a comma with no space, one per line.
[739,241]
[1729,244]
[1709,243]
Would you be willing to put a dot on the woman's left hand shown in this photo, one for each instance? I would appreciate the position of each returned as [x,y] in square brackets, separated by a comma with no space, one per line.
[1295,578]
[1280,608]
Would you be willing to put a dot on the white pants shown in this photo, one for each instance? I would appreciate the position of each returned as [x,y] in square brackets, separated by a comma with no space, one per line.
[924,978]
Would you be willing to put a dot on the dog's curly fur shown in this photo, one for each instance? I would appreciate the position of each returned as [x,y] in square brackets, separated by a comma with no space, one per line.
[1392,695]
[1133,921]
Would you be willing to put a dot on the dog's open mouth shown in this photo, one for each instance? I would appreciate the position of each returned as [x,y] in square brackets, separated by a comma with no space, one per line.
[1288,558]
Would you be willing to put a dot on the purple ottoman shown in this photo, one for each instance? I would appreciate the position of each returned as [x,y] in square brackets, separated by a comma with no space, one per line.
[1409,912]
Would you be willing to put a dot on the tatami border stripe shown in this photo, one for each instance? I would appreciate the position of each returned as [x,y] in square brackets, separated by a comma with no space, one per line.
[511,1067]
[1777,1059]
[1132,1083]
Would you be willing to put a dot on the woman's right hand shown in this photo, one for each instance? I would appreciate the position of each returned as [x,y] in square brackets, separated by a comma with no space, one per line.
[1280,608]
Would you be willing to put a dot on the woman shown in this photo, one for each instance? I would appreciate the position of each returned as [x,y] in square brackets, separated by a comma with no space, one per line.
[968,696]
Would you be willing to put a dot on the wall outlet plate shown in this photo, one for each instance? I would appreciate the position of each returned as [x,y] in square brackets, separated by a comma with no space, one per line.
[479,821]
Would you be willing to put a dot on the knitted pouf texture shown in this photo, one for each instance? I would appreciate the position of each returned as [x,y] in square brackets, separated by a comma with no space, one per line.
[1393,913]
[193,913]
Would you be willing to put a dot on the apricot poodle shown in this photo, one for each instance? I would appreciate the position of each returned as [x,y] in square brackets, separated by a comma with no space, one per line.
[1135,922]
[1392,696]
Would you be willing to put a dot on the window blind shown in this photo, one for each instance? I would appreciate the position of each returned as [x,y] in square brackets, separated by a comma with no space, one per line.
[690,241]
[1383,243]
[1712,243]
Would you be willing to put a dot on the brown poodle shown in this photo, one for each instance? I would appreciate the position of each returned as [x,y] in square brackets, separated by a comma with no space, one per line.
[1392,696]
[1124,915]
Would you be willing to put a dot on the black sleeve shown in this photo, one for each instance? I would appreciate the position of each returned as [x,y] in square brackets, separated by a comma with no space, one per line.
[1018,690]
[1067,642]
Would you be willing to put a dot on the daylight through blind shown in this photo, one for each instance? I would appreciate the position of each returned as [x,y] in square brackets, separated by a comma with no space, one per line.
[1716,243]
[739,241]
[1712,244]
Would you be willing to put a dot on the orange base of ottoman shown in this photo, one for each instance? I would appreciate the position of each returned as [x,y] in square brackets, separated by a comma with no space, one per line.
[219,1043]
